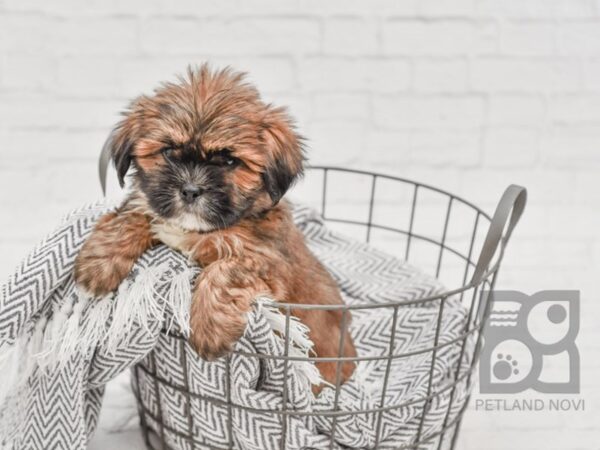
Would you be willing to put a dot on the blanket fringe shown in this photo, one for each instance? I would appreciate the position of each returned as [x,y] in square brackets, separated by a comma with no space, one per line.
[300,343]
[82,323]
[10,359]
[139,303]
[179,300]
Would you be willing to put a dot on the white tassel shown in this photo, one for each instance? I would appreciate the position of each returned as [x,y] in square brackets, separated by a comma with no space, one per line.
[179,298]
[70,342]
[301,345]
[307,369]
[53,334]
[10,358]
[35,344]
[96,316]
[137,303]
[298,331]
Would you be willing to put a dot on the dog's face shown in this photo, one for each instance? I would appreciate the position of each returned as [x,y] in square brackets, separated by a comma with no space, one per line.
[207,151]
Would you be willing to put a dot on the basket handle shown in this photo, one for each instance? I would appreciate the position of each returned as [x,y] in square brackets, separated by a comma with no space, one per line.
[509,210]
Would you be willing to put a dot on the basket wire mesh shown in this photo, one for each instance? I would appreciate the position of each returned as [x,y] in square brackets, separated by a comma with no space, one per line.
[482,240]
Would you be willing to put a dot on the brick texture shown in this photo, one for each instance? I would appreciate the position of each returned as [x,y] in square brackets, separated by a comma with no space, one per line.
[468,95]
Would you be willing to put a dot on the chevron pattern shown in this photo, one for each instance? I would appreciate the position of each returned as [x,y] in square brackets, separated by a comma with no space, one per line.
[184,399]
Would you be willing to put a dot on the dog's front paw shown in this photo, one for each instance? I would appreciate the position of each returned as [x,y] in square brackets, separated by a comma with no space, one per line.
[98,275]
[108,255]
[214,336]
[212,347]
[218,314]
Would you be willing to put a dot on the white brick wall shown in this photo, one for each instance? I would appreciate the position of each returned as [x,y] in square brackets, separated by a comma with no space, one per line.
[469,95]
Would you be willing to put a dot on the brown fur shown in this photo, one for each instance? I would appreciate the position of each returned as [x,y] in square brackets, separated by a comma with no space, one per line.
[117,242]
[260,253]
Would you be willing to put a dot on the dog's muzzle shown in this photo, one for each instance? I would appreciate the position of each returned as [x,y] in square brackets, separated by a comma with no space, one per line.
[190,193]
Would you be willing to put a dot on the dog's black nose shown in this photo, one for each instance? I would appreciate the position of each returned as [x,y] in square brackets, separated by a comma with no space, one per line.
[190,193]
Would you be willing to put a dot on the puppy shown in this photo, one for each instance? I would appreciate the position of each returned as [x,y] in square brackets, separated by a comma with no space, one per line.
[211,163]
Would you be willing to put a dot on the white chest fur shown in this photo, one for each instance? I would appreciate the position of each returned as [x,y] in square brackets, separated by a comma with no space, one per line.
[171,235]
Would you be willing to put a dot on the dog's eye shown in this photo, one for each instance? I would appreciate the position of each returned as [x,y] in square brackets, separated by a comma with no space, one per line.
[223,158]
[168,152]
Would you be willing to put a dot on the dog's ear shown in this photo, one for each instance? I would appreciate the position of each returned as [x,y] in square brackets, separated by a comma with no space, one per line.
[285,151]
[121,149]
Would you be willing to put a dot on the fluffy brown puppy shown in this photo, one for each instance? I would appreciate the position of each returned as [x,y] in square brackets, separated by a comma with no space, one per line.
[211,163]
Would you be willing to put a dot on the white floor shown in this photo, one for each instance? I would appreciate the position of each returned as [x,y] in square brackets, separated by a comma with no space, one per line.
[118,428]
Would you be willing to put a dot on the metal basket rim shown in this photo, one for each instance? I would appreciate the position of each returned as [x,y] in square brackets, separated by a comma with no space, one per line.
[401,179]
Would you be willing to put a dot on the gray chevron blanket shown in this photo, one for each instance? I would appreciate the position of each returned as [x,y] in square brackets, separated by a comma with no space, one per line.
[59,348]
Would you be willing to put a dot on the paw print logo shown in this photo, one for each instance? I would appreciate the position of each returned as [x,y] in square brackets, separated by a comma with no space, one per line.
[505,367]
[529,343]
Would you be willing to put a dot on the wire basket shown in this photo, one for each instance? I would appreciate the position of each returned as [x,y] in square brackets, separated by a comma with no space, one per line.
[432,229]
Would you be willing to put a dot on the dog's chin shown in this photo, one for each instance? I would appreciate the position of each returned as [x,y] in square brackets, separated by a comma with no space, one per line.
[190,221]
[195,217]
